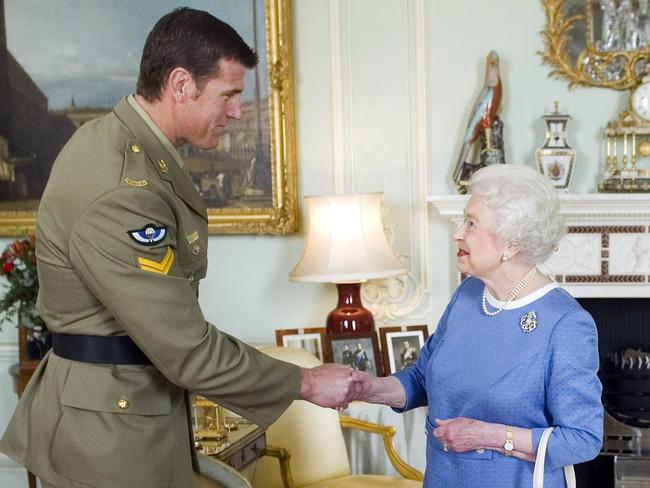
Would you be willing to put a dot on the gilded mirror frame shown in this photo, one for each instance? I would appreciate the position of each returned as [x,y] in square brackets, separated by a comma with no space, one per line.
[281,216]
[592,64]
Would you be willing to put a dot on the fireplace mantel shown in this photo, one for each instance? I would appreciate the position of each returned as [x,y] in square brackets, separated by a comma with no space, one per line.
[606,252]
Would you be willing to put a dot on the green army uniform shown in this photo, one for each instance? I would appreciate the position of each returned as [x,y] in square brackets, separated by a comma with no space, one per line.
[121,246]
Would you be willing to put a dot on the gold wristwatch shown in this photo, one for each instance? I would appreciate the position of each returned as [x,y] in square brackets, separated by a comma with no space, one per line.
[509,445]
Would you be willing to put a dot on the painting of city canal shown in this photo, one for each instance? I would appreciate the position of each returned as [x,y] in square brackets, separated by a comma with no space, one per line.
[59,70]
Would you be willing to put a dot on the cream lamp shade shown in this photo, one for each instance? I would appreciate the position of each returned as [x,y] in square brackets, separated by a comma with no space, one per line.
[346,242]
[346,245]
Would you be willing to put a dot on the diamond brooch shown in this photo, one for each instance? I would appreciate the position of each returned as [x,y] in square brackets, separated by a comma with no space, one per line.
[528,322]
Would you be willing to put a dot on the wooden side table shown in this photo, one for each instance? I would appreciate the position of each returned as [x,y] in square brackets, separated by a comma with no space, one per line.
[21,377]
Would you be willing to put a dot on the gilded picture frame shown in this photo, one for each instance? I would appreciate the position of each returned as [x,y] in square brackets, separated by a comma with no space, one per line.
[261,176]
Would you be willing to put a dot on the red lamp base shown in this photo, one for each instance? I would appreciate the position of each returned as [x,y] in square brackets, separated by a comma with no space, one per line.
[349,315]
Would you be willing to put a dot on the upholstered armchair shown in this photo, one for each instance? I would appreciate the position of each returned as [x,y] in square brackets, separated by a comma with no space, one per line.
[309,442]
[216,474]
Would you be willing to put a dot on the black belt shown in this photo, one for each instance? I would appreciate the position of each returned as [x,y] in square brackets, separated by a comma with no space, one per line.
[98,349]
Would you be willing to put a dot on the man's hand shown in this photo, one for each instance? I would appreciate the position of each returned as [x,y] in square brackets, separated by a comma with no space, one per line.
[327,385]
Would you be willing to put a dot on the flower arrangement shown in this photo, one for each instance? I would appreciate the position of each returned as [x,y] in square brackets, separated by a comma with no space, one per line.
[18,268]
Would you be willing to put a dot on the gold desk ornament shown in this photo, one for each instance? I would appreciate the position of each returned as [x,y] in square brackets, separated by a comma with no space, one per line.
[627,145]
[210,432]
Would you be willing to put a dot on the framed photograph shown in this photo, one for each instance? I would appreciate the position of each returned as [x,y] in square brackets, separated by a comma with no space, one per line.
[33,344]
[59,71]
[357,349]
[310,339]
[401,346]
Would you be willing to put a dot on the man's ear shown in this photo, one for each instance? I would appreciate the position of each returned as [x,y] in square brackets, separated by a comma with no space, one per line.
[181,84]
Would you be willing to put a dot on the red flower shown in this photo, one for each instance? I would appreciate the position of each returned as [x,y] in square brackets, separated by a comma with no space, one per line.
[7,267]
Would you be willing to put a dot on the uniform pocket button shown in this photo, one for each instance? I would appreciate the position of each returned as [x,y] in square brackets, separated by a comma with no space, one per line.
[123,403]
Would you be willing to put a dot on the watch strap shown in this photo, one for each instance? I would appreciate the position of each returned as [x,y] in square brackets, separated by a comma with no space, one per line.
[509,444]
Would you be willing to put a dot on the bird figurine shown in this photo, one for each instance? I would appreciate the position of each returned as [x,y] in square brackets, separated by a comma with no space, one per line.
[483,118]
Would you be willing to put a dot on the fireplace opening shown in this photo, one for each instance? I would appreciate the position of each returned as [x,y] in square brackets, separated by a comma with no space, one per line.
[624,346]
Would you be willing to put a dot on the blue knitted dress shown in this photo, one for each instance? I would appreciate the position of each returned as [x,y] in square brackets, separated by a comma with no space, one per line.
[496,370]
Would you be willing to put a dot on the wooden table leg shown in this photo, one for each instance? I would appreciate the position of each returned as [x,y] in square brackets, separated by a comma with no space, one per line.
[31,479]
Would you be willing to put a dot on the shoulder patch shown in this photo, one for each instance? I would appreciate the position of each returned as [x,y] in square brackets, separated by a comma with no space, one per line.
[149,235]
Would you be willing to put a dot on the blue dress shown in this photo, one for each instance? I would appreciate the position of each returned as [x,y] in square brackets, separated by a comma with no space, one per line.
[489,368]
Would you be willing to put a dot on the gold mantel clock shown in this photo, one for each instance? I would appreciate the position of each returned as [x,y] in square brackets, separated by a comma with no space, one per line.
[627,142]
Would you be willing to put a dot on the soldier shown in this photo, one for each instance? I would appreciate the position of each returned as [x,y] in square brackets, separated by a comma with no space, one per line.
[122,245]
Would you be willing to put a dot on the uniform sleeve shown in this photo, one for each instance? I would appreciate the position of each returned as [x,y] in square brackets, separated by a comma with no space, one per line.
[143,287]
[413,378]
[573,393]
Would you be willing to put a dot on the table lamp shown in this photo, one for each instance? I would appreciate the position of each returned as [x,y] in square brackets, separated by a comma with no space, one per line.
[346,245]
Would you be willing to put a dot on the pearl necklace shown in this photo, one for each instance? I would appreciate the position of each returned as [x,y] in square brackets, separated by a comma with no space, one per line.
[513,294]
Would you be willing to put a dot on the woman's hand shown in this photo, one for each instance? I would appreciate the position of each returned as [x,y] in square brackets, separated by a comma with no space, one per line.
[386,390]
[462,434]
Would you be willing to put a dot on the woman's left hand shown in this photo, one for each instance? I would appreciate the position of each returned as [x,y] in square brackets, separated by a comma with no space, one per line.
[461,434]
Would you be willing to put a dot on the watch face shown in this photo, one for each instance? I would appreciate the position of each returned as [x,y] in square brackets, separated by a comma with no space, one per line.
[641,101]
[509,446]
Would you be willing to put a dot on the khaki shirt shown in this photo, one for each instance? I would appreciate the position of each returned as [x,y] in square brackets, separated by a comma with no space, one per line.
[121,246]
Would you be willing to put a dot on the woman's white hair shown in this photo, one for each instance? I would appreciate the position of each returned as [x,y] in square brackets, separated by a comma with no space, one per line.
[526,207]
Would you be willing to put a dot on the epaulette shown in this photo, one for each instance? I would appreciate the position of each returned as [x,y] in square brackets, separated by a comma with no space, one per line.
[134,172]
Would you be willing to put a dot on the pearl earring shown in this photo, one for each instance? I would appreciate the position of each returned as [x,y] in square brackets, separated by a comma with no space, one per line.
[504,257]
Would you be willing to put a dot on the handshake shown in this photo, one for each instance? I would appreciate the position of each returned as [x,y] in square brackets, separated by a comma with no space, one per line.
[335,385]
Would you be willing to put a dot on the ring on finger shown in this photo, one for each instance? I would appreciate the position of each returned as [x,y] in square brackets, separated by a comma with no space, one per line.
[445,447]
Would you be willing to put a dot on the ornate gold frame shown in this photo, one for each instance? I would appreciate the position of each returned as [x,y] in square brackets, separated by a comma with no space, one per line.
[282,218]
[555,36]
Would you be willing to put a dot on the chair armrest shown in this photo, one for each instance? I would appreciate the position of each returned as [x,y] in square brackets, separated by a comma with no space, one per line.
[387,432]
[283,455]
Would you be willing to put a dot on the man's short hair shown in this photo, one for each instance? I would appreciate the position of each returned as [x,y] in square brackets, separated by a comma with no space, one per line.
[191,39]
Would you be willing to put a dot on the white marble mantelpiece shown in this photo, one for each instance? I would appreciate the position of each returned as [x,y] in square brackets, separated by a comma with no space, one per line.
[606,252]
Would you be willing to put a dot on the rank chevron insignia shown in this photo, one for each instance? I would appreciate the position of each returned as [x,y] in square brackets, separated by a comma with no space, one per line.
[149,235]
[160,267]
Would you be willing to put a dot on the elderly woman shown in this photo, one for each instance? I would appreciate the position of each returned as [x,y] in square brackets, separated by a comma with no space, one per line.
[513,352]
